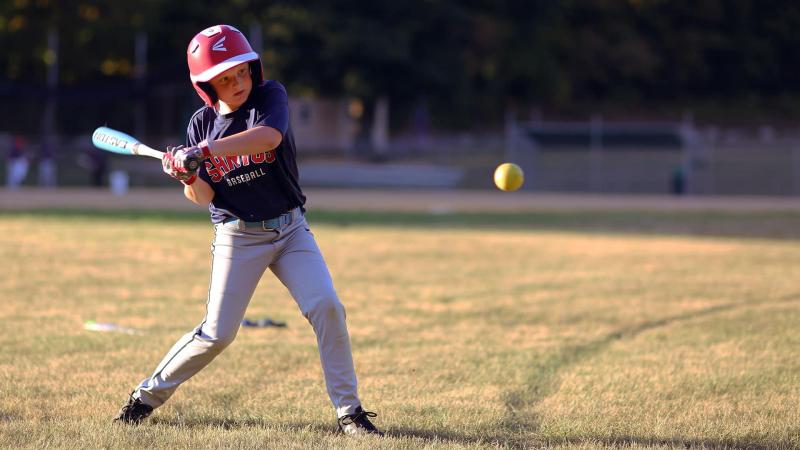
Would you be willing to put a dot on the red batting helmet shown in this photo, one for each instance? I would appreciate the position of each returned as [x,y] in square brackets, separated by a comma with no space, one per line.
[215,50]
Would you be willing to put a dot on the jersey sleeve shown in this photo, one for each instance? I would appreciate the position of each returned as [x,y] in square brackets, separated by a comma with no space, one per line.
[274,109]
[195,134]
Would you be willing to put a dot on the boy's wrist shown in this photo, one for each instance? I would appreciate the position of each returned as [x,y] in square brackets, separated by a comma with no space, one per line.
[205,147]
[190,180]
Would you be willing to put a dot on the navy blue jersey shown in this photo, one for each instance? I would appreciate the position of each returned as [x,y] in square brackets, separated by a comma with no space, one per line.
[251,187]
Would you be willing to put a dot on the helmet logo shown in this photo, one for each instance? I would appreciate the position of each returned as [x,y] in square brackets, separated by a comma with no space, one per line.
[211,31]
[219,46]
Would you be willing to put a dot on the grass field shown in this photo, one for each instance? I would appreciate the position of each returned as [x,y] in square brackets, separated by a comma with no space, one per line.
[564,330]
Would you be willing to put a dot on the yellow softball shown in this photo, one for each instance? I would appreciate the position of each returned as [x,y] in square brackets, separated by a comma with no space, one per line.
[508,177]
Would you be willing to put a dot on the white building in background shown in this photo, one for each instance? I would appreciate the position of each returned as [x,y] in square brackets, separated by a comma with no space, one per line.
[325,125]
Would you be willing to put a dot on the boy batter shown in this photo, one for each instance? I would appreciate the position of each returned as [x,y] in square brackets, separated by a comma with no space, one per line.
[249,180]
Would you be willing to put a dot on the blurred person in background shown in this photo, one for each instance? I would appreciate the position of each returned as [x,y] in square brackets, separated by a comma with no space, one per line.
[46,164]
[96,162]
[17,168]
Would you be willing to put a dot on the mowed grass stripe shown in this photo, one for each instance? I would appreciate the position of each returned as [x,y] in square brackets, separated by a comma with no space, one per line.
[466,334]
[759,224]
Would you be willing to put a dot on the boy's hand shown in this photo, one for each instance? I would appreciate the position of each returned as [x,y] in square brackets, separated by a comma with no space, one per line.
[197,153]
[176,168]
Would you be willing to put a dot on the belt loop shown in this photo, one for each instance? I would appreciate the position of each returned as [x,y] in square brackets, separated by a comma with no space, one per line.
[286,218]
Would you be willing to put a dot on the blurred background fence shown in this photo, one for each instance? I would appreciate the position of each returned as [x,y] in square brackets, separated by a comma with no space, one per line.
[681,97]
[592,156]
[679,158]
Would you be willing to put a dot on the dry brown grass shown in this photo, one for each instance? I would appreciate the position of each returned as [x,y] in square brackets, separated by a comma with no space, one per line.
[463,338]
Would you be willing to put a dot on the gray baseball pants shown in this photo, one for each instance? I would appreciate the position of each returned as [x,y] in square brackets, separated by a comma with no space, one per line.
[240,258]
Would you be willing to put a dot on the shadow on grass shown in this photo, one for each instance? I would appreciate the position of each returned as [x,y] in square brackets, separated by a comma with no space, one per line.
[770,225]
[545,379]
[507,436]
[627,441]
[7,416]
[238,423]
[504,439]
[253,422]
[519,430]
[497,437]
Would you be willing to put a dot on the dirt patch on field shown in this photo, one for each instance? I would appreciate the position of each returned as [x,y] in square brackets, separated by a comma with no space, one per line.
[435,201]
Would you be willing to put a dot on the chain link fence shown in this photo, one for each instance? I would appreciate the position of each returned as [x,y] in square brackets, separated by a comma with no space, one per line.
[677,158]
[673,158]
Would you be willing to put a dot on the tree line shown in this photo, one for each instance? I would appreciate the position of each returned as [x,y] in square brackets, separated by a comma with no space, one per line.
[468,61]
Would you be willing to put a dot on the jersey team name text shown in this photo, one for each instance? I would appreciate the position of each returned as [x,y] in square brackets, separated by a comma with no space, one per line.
[220,166]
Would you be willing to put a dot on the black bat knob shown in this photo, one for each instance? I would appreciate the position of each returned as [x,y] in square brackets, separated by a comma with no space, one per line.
[191,164]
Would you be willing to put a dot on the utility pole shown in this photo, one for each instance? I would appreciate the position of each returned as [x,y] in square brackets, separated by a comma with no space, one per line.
[49,119]
[255,38]
[140,86]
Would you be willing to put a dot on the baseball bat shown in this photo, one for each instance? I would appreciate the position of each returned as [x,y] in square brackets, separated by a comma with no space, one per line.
[115,141]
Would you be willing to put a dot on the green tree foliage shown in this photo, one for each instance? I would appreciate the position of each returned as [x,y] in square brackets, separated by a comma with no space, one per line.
[468,59]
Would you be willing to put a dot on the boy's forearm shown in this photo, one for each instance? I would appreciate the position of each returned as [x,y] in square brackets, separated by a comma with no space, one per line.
[255,140]
[199,192]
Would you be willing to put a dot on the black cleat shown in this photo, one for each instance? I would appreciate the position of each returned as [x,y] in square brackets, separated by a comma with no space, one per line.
[133,412]
[358,423]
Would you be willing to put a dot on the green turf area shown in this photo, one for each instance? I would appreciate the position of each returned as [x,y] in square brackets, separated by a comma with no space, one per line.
[771,225]
[565,330]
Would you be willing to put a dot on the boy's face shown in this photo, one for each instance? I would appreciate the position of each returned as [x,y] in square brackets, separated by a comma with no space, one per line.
[233,86]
